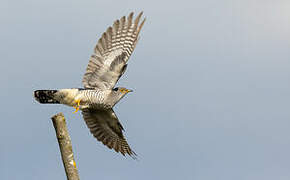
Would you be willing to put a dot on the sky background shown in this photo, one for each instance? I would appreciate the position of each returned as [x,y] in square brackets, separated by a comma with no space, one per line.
[211,83]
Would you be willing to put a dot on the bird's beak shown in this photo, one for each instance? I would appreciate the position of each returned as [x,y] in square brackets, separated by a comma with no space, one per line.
[129,90]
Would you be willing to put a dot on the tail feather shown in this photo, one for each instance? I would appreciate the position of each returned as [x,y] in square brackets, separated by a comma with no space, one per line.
[45,96]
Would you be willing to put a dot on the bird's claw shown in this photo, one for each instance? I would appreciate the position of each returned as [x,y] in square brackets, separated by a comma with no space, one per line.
[77,107]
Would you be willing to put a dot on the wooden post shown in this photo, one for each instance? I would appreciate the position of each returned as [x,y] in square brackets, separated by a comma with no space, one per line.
[65,146]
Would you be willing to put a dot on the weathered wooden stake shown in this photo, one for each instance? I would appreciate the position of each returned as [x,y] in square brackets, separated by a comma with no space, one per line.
[65,146]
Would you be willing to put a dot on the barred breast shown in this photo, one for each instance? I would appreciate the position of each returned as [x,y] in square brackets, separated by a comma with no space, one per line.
[93,98]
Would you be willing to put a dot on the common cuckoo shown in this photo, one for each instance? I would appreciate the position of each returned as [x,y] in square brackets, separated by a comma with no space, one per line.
[96,100]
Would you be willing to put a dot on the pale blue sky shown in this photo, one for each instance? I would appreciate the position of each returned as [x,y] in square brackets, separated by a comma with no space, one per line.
[211,89]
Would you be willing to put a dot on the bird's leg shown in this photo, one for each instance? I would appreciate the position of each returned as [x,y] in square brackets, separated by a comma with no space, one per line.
[77,107]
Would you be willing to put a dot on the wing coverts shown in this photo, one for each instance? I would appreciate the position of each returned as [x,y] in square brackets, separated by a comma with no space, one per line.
[112,52]
[105,126]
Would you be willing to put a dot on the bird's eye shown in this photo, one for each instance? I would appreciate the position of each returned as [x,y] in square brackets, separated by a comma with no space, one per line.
[122,90]
[115,89]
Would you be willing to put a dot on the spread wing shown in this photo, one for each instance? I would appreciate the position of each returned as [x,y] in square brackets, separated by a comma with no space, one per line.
[105,126]
[112,52]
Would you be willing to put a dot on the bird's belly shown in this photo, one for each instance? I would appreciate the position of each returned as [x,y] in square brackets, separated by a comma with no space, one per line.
[93,103]
[97,106]
[93,99]
[86,98]
[67,96]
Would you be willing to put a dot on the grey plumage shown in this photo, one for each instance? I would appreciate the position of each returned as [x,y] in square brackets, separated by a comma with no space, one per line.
[105,126]
[112,52]
[105,67]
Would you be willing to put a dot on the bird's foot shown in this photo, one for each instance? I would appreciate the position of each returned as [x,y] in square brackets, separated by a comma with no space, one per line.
[77,107]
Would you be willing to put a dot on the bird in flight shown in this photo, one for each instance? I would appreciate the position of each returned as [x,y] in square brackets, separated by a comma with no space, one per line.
[98,97]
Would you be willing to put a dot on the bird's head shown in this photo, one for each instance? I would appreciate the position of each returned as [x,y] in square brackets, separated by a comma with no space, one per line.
[118,93]
[121,91]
